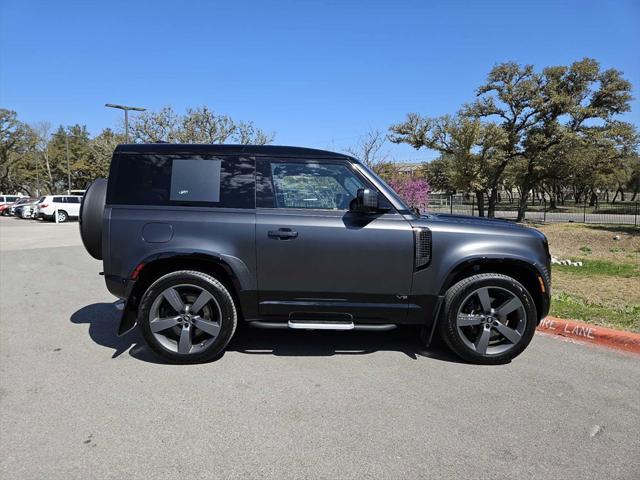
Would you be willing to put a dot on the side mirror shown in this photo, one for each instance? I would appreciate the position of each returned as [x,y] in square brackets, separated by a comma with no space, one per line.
[366,201]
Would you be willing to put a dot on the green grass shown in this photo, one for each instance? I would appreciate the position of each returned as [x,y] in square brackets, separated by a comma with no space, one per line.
[591,268]
[567,306]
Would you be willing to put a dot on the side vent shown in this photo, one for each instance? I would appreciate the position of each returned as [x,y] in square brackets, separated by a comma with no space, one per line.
[422,242]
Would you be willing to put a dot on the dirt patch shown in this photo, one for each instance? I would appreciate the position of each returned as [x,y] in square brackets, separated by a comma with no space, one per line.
[611,292]
[593,242]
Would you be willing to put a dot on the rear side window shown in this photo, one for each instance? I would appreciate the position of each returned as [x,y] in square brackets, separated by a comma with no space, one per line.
[58,200]
[183,180]
[12,199]
[195,180]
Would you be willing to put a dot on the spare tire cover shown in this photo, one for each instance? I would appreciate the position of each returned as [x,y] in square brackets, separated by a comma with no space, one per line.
[91,211]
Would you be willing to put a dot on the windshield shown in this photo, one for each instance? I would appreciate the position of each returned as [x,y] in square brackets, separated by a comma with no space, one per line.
[387,190]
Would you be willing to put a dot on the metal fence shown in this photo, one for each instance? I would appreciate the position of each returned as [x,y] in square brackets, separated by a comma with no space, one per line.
[621,213]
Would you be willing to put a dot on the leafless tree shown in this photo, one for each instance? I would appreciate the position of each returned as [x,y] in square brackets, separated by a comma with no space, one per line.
[369,149]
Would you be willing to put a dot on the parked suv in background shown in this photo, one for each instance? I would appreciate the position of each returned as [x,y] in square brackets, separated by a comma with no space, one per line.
[196,238]
[67,206]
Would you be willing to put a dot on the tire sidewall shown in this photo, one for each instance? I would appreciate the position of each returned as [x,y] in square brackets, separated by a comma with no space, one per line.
[213,286]
[459,292]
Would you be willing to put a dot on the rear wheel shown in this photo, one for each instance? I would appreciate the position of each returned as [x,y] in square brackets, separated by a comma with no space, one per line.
[488,318]
[187,317]
[62,216]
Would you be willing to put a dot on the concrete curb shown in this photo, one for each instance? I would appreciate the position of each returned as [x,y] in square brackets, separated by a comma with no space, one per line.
[584,332]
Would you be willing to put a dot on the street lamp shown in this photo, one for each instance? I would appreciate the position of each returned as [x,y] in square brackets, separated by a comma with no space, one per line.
[126,116]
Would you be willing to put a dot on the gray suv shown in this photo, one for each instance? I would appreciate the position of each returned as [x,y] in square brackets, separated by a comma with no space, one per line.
[196,238]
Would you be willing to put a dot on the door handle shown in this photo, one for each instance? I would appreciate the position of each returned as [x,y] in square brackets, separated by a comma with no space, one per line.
[282,234]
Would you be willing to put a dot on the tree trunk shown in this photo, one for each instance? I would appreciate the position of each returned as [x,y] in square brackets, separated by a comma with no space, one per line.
[493,197]
[522,205]
[480,202]
[593,199]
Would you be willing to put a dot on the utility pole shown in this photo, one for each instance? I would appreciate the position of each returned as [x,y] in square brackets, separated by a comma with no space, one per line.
[126,116]
[35,154]
[66,142]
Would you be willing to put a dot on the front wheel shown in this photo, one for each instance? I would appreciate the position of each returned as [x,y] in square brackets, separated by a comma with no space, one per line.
[488,318]
[187,317]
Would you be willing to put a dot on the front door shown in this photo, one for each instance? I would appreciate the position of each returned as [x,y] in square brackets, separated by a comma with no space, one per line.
[315,258]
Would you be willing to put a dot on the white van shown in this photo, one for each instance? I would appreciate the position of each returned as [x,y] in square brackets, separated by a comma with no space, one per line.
[4,199]
[67,206]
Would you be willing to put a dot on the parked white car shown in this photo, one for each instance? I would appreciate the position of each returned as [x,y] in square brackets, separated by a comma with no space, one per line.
[67,206]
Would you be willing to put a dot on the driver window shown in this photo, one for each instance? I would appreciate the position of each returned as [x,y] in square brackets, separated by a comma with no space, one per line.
[323,186]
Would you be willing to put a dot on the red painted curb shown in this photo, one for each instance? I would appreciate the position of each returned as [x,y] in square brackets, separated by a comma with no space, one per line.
[620,340]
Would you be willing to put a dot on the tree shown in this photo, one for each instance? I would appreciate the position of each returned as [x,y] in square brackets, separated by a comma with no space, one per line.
[439,173]
[474,149]
[17,146]
[197,125]
[550,112]
[414,191]
[525,126]
[369,149]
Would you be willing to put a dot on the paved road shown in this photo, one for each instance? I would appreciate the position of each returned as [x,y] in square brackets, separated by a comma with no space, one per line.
[77,402]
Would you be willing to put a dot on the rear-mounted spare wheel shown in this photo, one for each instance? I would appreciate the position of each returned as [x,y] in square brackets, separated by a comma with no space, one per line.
[91,211]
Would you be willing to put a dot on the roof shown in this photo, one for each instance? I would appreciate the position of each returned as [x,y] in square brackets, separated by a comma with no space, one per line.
[256,150]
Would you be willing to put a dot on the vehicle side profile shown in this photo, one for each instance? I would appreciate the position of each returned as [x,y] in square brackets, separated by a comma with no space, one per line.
[66,207]
[197,238]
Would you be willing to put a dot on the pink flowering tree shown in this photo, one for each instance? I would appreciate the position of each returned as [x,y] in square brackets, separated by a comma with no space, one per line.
[414,191]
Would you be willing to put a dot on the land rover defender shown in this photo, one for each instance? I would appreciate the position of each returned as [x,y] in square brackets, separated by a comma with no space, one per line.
[197,238]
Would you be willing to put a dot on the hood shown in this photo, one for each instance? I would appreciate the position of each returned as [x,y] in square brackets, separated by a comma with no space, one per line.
[469,220]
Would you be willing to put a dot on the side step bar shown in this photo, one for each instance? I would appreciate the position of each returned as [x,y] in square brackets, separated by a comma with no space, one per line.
[320,325]
[323,325]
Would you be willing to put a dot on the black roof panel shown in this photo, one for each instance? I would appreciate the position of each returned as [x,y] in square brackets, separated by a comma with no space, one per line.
[261,150]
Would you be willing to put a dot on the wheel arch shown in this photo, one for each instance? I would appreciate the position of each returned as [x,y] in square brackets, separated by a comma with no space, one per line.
[534,278]
[151,268]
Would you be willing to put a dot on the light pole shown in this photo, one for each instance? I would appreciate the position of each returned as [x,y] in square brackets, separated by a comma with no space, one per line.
[126,116]
[66,144]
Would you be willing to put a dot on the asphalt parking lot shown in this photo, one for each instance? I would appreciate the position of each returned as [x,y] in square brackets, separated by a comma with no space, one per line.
[78,402]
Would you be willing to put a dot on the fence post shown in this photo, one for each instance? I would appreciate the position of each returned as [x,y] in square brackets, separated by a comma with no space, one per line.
[544,210]
[584,212]
[451,204]
[635,217]
[473,205]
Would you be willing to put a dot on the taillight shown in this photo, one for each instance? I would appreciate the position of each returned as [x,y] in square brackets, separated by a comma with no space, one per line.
[44,205]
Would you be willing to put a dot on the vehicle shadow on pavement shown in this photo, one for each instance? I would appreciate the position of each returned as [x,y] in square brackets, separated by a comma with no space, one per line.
[297,343]
[103,319]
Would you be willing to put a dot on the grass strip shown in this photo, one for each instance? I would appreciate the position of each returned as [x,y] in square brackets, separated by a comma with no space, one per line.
[601,267]
[571,307]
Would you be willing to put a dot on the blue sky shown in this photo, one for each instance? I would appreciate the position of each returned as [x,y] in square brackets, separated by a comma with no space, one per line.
[317,74]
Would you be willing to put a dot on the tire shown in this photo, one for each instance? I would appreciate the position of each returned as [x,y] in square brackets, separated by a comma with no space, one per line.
[90,218]
[163,325]
[62,216]
[488,336]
